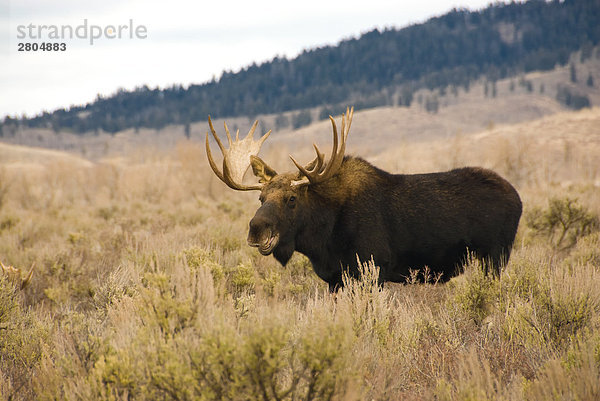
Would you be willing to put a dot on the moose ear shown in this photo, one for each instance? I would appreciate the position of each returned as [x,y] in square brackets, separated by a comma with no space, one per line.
[261,169]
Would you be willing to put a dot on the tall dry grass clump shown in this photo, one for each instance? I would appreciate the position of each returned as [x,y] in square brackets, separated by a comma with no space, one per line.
[144,288]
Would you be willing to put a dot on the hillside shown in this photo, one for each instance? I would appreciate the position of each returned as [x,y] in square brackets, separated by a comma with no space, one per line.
[376,69]
[19,157]
[557,149]
[519,99]
[543,145]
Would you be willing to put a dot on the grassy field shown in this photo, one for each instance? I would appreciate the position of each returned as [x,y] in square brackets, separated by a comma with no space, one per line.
[143,286]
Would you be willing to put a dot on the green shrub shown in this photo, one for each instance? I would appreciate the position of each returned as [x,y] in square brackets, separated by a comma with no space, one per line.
[197,258]
[576,377]
[214,364]
[111,290]
[256,361]
[552,310]
[525,279]
[323,362]
[108,213]
[265,362]
[560,317]
[562,223]
[270,282]
[116,376]
[242,279]
[586,251]
[475,293]
[364,302]
[8,222]
[23,339]
[165,306]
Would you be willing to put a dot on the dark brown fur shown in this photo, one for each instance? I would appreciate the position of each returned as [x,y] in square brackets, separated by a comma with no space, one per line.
[402,221]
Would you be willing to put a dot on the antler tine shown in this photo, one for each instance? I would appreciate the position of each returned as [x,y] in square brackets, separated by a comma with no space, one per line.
[346,122]
[320,159]
[264,138]
[335,137]
[319,173]
[251,132]
[211,161]
[228,134]
[25,282]
[349,115]
[314,166]
[336,161]
[214,134]
[304,171]
[236,159]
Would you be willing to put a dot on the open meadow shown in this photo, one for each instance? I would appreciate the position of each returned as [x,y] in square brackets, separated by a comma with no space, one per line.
[143,286]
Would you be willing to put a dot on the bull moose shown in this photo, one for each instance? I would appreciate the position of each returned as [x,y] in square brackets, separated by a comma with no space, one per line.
[337,210]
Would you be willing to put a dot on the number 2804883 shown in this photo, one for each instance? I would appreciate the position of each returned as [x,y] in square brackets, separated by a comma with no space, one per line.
[44,47]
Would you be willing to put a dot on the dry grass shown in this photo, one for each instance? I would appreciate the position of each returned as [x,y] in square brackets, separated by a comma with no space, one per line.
[144,288]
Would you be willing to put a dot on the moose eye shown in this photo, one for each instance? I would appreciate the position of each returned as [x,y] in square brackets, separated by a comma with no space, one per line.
[292,201]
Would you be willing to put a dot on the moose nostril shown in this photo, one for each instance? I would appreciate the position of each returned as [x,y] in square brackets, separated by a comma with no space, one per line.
[259,225]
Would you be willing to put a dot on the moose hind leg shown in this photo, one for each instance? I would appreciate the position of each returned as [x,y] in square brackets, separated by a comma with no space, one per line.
[335,286]
[495,260]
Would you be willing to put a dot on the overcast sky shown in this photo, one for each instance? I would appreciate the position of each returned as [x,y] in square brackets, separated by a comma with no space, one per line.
[173,41]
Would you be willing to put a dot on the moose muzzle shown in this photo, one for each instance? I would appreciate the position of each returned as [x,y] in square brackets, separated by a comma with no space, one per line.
[262,233]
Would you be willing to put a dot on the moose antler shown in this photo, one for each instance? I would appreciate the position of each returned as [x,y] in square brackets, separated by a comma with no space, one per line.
[316,171]
[236,159]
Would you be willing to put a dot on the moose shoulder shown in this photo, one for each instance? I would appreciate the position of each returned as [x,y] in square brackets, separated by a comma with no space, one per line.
[333,211]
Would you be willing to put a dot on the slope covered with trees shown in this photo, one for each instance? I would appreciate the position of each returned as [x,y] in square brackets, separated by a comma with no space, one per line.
[378,68]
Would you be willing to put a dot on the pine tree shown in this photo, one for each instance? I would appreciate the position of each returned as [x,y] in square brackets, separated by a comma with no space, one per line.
[573,73]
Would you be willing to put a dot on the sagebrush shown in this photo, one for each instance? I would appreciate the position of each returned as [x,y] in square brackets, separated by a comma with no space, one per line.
[144,288]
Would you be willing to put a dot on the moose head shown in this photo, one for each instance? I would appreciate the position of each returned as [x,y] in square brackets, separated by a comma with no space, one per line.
[286,201]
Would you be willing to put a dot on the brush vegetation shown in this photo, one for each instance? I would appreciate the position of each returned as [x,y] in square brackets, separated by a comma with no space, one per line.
[143,287]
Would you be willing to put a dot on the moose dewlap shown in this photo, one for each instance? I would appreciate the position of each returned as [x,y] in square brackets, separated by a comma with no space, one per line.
[331,211]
